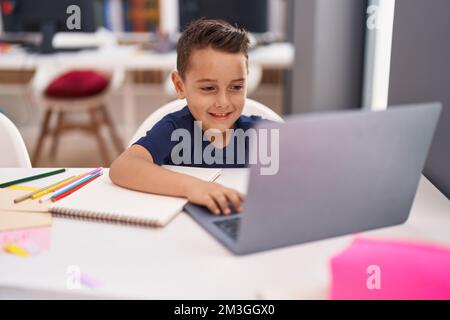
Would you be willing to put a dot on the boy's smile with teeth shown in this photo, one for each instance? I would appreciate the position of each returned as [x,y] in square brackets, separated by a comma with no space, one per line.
[220,116]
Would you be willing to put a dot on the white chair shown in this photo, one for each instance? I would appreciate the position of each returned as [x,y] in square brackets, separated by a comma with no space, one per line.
[14,152]
[251,107]
[95,106]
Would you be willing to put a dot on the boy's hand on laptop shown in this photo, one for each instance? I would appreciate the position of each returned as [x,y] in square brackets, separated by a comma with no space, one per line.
[215,197]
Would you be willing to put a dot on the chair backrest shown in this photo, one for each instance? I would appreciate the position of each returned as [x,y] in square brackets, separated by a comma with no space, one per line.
[251,107]
[12,147]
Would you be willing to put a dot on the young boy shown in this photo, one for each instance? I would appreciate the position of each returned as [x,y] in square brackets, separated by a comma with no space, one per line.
[211,75]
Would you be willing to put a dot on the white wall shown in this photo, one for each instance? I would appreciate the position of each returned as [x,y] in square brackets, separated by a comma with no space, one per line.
[377,61]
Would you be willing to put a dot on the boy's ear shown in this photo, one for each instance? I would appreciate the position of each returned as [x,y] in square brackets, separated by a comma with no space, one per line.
[178,84]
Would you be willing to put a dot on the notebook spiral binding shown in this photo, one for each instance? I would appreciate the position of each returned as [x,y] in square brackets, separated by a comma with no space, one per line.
[103,217]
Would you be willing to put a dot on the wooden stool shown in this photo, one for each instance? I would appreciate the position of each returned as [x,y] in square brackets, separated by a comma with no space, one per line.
[60,107]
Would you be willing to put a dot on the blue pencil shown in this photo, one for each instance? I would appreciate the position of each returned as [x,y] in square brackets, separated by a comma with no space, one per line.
[76,184]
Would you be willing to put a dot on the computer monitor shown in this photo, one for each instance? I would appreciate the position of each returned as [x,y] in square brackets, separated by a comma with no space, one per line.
[251,15]
[47,17]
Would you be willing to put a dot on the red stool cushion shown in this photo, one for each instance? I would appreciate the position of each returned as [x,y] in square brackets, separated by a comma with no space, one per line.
[77,84]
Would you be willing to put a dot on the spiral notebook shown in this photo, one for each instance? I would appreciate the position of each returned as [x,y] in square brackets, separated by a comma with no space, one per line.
[101,200]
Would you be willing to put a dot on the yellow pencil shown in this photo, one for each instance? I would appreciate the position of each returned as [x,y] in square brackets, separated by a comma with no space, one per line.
[29,195]
[52,187]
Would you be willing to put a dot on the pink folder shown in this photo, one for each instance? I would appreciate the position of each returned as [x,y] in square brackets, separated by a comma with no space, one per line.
[388,269]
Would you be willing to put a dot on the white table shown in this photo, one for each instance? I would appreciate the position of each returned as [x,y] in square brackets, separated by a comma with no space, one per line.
[182,261]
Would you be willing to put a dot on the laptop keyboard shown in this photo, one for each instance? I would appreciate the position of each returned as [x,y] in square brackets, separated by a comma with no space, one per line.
[229,226]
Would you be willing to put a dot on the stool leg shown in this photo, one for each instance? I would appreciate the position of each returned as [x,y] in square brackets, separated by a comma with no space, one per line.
[43,132]
[112,129]
[56,134]
[95,129]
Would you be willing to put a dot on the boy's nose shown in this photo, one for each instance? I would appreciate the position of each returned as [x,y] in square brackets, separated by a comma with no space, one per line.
[222,101]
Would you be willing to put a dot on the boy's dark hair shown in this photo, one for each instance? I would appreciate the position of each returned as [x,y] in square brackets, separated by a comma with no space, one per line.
[217,34]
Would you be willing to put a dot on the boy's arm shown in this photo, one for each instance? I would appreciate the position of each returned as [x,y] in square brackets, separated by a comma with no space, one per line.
[134,169]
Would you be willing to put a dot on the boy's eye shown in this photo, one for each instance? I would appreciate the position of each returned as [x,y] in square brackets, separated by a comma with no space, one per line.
[207,89]
[237,87]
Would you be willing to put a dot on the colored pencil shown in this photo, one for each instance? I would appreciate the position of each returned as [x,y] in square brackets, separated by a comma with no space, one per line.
[61,196]
[35,177]
[57,194]
[63,185]
[78,178]
[52,187]
[33,193]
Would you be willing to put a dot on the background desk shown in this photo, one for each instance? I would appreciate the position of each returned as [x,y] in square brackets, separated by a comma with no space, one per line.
[182,261]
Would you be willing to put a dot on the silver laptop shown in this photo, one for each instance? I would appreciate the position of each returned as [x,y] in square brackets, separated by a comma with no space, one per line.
[339,173]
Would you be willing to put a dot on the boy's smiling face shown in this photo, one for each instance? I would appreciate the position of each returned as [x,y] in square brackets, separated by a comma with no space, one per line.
[214,87]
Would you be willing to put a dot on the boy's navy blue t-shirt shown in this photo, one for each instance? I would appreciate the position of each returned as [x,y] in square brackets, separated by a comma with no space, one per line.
[159,143]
